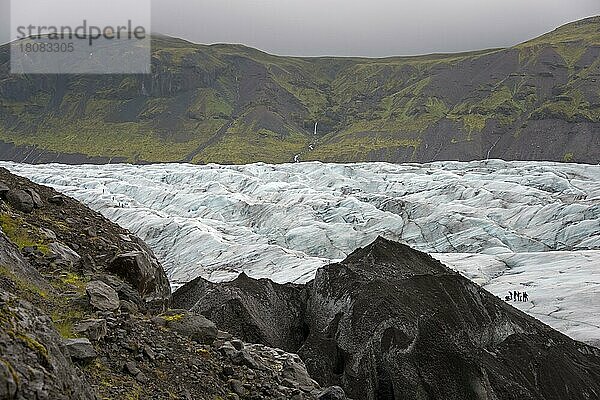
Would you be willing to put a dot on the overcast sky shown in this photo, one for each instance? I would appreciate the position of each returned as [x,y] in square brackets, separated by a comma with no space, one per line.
[358,28]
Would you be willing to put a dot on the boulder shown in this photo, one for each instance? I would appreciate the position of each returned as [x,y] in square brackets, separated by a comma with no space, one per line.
[20,200]
[194,326]
[129,307]
[102,296]
[35,197]
[93,329]
[58,200]
[332,393]
[80,349]
[257,311]
[295,370]
[144,273]
[245,358]
[64,253]
[3,190]
[125,291]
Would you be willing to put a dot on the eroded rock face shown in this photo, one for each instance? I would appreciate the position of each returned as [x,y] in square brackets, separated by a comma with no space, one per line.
[259,311]
[390,322]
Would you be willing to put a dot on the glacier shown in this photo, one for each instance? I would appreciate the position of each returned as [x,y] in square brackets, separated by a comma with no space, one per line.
[527,226]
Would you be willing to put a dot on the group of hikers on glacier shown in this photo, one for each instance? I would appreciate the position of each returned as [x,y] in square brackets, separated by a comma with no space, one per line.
[517,296]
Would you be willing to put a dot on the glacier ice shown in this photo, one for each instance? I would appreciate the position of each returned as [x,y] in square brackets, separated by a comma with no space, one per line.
[528,226]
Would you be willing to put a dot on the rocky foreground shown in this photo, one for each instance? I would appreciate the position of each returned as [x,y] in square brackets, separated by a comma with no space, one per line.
[84,314]
[390,322]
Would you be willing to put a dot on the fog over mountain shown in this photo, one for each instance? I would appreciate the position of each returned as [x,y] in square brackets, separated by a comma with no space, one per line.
[351,27]
[367,28]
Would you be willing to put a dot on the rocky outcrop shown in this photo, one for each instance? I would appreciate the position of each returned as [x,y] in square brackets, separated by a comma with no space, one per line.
[142,270]
[259,311]
[20,199]
[64,230]
[33,362]
[193,326]
[390,322]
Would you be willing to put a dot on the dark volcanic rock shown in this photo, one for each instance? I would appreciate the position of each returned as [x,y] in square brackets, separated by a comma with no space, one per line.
[80,349]
[191,325]
[20,199]
[102,296]
[143,271]
[259,311]
[32,362]
[390,322]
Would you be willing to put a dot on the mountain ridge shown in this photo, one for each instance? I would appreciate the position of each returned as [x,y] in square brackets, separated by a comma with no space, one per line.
[233,104]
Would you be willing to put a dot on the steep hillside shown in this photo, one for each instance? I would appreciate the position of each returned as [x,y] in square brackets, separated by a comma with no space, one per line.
[83,316]
[231,104]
